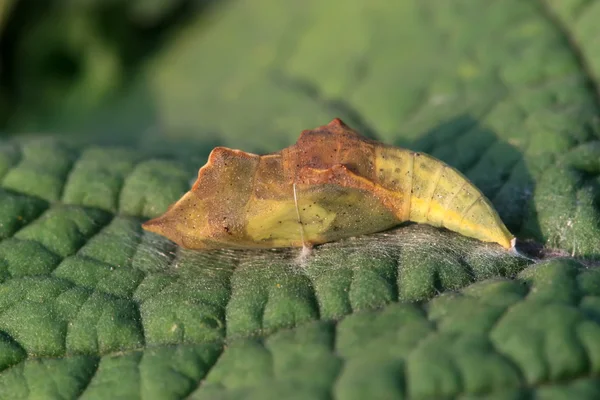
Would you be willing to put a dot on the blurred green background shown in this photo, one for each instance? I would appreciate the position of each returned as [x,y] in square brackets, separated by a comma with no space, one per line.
[253,74]
[64,64]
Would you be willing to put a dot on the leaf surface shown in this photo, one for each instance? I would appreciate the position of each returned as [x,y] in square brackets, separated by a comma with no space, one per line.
[92,306]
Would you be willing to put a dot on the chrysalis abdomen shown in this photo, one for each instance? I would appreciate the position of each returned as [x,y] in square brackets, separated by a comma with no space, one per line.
[431,192]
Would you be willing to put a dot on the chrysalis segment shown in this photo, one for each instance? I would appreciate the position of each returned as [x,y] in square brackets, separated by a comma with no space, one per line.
[464,198]
[480,221]
[448,185]
[330,185]
[426,176]
[394,172]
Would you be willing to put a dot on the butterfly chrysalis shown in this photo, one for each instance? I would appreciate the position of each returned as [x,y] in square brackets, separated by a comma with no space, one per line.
[331,184]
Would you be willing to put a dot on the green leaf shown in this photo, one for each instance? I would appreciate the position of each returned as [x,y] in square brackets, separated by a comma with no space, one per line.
[92,306]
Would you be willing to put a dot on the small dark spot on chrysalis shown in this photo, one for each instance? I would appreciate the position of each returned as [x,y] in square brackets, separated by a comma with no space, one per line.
[279,222]
[380,169]
[397,170]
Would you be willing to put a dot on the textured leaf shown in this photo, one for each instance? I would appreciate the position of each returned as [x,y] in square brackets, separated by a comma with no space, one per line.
[92,306]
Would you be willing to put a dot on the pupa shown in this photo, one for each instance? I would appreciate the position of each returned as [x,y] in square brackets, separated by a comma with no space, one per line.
[332,184]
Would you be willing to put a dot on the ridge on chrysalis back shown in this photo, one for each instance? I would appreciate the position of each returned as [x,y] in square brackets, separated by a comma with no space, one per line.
[332,184]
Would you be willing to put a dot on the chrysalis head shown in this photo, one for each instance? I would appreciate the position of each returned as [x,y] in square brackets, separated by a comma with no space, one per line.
[185,223]
[211,214]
